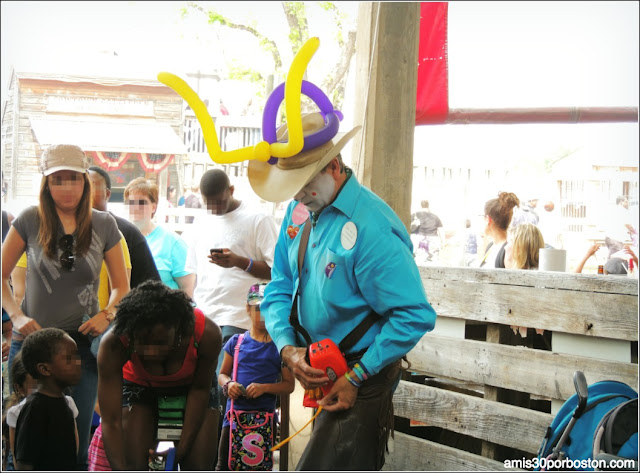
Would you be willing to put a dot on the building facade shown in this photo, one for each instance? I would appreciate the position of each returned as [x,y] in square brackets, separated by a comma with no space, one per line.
[129,127]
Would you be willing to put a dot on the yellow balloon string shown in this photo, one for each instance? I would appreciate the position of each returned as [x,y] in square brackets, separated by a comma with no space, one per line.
[276,447]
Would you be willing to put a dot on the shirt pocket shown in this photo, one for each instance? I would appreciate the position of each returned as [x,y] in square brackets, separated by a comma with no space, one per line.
[336,278]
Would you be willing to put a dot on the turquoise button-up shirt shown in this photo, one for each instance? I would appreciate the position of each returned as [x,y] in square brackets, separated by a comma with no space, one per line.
[346,275]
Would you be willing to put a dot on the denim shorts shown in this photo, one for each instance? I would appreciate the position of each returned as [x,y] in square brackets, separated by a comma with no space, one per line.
[133,393]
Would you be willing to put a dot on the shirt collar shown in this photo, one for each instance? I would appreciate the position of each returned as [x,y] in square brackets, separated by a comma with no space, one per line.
[346,199]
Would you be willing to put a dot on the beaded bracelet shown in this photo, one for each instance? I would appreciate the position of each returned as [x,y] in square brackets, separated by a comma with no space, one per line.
[360,372]
[249,266]
[225,388]
[351,380]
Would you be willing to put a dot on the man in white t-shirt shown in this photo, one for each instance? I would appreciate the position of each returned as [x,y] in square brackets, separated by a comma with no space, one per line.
[619,228]
[229,249]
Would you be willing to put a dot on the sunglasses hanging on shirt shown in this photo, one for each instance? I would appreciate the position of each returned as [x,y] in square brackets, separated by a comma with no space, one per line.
[67,259]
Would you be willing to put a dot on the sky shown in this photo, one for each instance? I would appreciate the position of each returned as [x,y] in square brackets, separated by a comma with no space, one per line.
[148,37]
[500,54]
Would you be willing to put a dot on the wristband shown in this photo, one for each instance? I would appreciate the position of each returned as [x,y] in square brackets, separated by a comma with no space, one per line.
[225,388]
[351,380]
[249,266]
[360,372]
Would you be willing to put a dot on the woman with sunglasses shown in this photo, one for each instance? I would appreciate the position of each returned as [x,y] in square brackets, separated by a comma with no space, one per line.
[66,242]
[169,250]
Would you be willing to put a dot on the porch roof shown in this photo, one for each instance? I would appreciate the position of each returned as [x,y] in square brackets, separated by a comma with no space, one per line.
[109,135]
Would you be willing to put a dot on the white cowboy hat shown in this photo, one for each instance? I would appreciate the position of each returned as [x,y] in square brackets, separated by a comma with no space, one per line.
[281,181]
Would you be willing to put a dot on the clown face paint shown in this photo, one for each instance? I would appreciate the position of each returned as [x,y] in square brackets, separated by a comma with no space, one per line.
[318,193]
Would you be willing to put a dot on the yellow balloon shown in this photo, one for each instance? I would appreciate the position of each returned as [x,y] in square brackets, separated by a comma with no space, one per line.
[198,107]
[292,93]
[259,151]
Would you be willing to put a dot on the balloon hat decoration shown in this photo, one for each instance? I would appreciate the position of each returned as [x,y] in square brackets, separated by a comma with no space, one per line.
[290,91]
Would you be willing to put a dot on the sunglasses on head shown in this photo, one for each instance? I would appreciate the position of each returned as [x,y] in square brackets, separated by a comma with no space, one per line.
[66,257]
[137,202]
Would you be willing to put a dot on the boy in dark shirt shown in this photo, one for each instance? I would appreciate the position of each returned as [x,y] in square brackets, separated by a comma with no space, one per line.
[46,432]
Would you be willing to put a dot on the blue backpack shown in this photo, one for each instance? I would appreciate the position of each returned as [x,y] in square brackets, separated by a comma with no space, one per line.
[610,416]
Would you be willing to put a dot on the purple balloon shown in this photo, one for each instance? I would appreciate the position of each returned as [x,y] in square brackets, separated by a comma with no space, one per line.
[331,117]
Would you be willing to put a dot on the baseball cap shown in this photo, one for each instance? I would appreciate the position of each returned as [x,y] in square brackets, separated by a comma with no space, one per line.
[63,158]
[256,294]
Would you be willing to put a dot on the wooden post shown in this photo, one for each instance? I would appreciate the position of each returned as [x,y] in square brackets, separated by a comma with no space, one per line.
[386,68]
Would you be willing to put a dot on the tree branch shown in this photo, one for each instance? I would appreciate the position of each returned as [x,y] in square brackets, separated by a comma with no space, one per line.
[334,82]
[296,14]
[267,44]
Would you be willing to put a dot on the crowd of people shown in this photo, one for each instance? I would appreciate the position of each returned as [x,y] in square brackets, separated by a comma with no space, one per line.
[513,233]
[123,320]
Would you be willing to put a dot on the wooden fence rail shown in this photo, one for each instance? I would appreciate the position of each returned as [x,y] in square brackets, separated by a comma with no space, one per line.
[481,384]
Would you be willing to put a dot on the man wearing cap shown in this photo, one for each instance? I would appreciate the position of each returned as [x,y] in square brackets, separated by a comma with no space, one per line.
[357,271]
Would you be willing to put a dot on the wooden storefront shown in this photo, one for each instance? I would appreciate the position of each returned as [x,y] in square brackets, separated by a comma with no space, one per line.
[131,128]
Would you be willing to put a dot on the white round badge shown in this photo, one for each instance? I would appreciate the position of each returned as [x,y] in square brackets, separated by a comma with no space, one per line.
[349,235]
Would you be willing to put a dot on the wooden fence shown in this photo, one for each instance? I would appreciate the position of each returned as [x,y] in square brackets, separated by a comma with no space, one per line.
[478,393]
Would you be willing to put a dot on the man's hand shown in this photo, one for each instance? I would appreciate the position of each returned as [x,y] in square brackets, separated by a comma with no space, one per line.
[341,397]
[628,250]
[5,351]
[226,259]
[310,378]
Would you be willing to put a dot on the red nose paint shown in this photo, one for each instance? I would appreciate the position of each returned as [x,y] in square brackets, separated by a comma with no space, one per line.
[314,194]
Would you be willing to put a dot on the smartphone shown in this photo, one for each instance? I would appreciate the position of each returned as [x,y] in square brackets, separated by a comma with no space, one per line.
[216,250]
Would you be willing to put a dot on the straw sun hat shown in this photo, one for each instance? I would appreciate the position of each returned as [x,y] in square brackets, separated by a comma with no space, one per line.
[281,181]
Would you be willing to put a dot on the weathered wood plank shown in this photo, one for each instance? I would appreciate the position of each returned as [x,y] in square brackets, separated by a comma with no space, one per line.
[522,369]
[495,422]
[550,280]
[407,453]
[609,314]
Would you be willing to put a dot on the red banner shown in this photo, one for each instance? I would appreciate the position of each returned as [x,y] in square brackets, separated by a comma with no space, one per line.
[432,101]
[154,162]
[108,160]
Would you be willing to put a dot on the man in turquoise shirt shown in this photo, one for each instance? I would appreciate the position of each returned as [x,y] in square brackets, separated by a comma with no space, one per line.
[358,260]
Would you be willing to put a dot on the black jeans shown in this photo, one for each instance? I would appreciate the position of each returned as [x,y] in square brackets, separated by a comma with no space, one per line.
[355,439]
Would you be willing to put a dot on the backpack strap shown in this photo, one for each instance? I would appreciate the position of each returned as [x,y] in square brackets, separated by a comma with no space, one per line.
[234,376]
